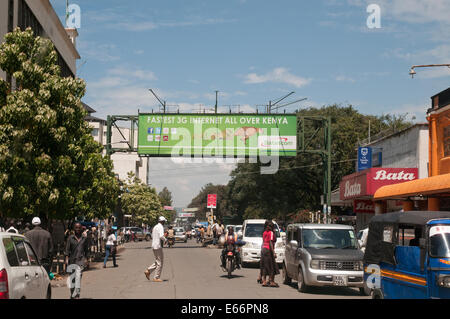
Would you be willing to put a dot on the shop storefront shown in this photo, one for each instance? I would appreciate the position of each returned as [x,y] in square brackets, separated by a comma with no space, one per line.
[432,193]
[360,188]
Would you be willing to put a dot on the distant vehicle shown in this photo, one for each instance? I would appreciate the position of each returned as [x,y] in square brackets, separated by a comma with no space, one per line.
[252,236]
[323,255]
[21,275]
[139,233]
[409,268]
[180,234]
[238,230]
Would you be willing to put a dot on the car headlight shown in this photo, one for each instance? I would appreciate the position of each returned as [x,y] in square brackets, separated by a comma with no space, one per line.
[444,281]
[315,264]
[360,265]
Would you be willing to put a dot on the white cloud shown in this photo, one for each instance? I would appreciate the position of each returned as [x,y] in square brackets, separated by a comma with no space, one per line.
[136,74]
[278,75]
[343,78]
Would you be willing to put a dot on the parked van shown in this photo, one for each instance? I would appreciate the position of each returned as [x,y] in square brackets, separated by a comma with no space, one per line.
[252,231]
[21,275]
[323,255]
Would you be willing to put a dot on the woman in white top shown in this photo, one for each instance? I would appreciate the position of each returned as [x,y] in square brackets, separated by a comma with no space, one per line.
[111,244]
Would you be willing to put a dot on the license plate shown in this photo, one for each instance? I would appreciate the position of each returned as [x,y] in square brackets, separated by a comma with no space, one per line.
[340,280]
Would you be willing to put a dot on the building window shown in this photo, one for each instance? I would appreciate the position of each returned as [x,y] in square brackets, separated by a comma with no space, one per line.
[11,16]
[447,141]
[95,132]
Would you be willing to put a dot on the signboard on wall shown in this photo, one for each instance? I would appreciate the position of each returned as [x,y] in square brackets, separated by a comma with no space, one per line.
[186,215]
[363,206]
[364,158]
[236,135]
[366,183]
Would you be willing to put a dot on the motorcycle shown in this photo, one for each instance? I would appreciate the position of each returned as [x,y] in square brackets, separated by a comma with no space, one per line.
[230,264]
[231,250]
[170,241]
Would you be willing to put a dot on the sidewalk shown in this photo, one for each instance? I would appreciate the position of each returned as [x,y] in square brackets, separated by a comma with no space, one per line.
[61,280]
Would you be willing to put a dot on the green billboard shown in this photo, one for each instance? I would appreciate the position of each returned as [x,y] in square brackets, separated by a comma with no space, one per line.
[231,135]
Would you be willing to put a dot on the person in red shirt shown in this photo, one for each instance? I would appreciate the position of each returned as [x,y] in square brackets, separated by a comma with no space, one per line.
[269,266]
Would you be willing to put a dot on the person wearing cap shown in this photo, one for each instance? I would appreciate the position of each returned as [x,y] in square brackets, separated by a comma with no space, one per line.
[158,240]
[42,243]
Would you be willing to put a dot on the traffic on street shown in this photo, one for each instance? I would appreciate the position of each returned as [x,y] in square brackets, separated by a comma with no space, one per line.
[210,158]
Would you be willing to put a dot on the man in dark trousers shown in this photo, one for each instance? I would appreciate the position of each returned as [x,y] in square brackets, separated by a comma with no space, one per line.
[77,254]
[42,243]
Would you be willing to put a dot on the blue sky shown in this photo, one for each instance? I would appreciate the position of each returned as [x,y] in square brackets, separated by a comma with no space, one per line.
[253,51]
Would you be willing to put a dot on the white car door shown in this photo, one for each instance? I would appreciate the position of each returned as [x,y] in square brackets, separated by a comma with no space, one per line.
[30,283]
[38,273]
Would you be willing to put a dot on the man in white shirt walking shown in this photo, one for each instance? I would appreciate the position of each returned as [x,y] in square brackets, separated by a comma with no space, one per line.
[157,239]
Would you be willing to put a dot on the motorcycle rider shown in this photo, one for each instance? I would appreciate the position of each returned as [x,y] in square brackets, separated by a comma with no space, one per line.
[171,234]
[231,238]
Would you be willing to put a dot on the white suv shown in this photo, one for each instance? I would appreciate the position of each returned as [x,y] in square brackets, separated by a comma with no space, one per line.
[252,230]
[21,275]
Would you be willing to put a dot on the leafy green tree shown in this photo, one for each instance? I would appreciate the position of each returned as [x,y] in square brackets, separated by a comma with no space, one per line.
[50,166]
[165,197]
[141,202]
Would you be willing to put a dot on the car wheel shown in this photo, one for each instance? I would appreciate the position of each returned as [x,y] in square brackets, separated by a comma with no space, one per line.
[377,294]
[286,279]
[49,293]
[244,265]
[301,286]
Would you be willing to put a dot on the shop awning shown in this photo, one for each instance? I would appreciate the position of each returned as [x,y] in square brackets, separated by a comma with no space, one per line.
[427,186]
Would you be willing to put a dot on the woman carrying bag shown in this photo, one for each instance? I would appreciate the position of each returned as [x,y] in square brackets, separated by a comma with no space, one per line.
[111,248]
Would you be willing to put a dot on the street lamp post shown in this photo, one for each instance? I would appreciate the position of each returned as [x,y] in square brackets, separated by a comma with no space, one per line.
[412,72]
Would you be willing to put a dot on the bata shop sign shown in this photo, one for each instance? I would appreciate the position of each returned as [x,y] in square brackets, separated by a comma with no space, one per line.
[367,182]
[363,206]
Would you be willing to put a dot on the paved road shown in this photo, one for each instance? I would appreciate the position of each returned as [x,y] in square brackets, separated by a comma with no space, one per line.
[189,272]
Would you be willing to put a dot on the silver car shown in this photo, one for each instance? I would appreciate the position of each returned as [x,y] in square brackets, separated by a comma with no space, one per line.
[323,255]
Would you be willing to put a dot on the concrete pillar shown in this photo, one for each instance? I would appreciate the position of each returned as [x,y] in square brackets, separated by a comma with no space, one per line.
[408,205]
[433,204]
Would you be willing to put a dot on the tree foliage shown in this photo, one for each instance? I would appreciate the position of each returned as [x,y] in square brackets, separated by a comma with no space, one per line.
[142,202]
[50,165]
[165,197]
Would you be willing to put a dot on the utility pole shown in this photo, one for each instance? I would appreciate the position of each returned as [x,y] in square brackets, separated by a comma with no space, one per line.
[215,109]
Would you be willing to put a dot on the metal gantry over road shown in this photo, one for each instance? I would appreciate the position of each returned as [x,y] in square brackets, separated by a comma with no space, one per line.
[313,136]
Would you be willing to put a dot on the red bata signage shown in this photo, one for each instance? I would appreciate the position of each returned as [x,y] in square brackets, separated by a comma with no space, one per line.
[363,206]
[367,182]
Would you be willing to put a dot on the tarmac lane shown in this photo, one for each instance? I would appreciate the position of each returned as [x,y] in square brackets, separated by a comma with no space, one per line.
[189,272]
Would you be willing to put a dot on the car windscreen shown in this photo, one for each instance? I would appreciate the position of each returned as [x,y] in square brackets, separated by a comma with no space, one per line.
[329,239]
[256,230]
[440,241]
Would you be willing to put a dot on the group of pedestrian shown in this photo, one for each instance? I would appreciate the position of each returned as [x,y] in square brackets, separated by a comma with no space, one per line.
[268,265]
[217,231]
